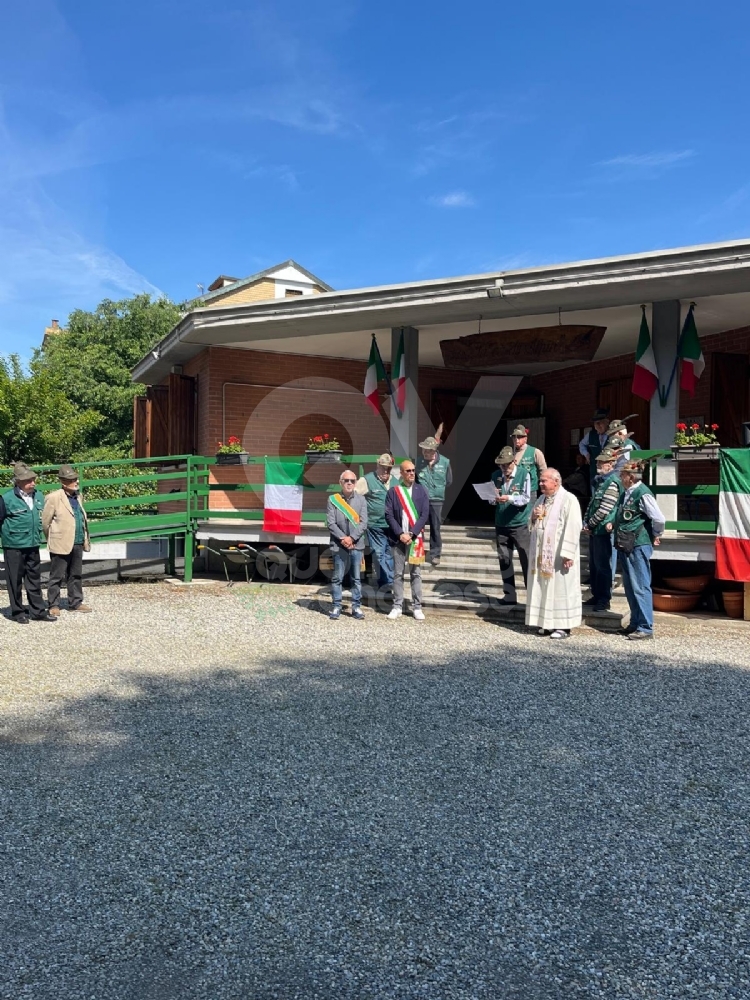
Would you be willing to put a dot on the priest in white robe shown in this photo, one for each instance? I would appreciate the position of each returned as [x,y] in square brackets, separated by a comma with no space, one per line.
[553,600]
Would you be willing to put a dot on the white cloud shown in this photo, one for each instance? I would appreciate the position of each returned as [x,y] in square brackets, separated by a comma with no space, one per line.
[454,199]
[648,161]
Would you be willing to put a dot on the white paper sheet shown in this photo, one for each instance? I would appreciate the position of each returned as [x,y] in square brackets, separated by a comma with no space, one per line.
[486,491]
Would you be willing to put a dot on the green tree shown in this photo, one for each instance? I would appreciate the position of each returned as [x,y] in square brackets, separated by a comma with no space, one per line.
[90,362]
[38,422]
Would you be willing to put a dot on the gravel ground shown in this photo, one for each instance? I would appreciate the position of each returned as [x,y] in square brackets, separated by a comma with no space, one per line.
[221,794]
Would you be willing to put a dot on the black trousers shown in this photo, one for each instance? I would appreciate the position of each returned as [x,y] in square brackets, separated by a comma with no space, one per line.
[23,566]
[66,568]
[436,541]
[508,539]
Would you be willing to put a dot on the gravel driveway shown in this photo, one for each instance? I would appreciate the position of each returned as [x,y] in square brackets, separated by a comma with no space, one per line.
[221,794]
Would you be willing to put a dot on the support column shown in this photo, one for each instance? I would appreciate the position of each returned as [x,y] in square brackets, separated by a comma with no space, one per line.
[665,333]
[404,429]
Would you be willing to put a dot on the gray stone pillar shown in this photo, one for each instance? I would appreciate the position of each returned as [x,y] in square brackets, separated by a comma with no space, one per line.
[665,333]
[404,429]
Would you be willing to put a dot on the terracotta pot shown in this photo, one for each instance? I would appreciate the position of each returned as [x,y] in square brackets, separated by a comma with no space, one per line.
[688,584]
[676,603]
[734,603]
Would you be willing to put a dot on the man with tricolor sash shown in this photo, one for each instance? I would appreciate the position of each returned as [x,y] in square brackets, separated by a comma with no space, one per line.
[346,516]
[407,510]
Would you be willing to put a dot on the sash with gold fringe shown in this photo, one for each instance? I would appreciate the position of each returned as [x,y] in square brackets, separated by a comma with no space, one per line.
[416,548]
[338,501]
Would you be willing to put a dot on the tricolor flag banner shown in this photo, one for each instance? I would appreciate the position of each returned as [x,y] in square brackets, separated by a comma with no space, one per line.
[398,374]
[645,376]
[375,372]
[689,349]
[733,534]
[282,497]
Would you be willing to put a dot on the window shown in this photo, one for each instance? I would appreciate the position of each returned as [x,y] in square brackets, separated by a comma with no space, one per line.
[292,293]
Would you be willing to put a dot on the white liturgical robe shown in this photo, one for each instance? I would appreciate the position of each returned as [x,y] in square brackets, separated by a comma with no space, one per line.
[554,601]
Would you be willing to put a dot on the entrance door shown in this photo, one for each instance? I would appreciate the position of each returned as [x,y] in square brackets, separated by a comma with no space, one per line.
[729,397]
[616,397]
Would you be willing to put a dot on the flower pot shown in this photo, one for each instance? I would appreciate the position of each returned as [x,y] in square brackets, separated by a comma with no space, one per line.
[314,457]
[689,453]
[676,603]
[688,584]
[734,603]
[234,458]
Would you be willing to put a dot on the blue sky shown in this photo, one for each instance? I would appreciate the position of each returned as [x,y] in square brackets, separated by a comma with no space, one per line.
[154,145]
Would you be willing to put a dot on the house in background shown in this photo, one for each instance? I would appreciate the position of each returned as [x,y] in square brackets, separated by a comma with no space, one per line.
[280,356]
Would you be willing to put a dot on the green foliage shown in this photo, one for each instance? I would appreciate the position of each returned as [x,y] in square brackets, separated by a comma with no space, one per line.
[38,420]
[90,362]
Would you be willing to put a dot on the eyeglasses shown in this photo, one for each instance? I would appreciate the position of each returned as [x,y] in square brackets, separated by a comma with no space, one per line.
[348,480]
[407,472]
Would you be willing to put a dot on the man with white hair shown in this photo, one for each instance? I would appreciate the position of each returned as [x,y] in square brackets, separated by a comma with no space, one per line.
[346,515]
[553,602]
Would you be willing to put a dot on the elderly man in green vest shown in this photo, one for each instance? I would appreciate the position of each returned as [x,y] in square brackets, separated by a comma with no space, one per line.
[527,457]
[374,487]
[619,440]
[637,527]
[513,485]
[592,443]
[600,513]
[434,473]
[21,535]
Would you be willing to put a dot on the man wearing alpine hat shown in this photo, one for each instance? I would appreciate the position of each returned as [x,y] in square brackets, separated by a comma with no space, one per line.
[434,473]
[21,535]
[513,486]
[528,458]
[374,488]
[66,526]
[592,444]
[599,514]
[619,440]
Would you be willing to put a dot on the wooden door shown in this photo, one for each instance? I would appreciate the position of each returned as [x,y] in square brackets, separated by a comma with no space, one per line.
[157,420]
[729,397]
[617,397]
[181,418]
[140,431]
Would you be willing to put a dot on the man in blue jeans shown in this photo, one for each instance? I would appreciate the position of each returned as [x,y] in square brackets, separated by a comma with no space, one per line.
[346,516]
[638,526]
[374,487]
[599,514]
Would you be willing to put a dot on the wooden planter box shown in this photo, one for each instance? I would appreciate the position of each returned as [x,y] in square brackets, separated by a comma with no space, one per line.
[686,453]
[238,458]
[316,457]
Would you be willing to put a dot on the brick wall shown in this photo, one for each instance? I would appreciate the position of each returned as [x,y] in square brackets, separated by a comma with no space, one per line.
[257,292]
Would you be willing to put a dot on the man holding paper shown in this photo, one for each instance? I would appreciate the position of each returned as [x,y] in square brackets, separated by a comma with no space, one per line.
[512,498]
[407,510]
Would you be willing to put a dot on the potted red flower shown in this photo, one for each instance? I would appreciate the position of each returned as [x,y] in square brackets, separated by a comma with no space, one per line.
[323,448]
[693,443]
[231,453]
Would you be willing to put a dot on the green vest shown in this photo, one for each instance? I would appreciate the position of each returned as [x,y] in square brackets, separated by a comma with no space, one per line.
[595,502]
[509,515]
[434,478]
[529,465]
[375,498]
[80,535]
[629,516]
[22,528]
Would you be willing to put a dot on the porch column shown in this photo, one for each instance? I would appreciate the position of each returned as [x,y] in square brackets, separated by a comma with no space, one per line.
[404,429]
[665,332]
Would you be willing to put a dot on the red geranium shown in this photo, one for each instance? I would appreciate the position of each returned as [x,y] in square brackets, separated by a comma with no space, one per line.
[695,427]
[233,439]
[681,427]
[714,427]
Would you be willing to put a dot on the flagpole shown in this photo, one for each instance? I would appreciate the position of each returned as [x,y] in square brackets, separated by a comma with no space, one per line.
[664,397]
[380,356]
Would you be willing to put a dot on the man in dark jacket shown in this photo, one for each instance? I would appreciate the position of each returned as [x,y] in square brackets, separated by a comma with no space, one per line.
[21,534]
[407,510]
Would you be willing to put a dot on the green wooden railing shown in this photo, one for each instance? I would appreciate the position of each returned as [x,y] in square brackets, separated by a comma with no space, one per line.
[124,500]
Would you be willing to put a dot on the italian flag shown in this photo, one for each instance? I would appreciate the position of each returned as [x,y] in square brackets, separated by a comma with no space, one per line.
[282,497]
[645,376]
[398,373]
[689,349]
[733,534]
[375,372]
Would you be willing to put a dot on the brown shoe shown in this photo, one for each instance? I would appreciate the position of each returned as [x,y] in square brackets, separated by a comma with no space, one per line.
[55,612]
[81,607]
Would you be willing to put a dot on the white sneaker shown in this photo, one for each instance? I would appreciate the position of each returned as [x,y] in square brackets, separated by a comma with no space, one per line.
[394,613]
[418,615]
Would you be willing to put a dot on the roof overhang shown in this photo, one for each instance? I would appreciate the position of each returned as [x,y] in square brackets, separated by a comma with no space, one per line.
[686,273]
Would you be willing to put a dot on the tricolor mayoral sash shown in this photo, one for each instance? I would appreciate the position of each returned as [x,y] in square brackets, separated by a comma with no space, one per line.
[416,549]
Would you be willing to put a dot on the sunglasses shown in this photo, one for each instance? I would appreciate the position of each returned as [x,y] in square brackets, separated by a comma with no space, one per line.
[348,480]
[407,471]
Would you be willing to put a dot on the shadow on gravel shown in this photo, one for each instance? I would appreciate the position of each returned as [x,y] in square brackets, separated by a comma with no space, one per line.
[475,828]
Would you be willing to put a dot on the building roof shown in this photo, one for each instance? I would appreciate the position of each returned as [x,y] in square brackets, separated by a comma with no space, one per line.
[340,323]
[238,283]
[221,282]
